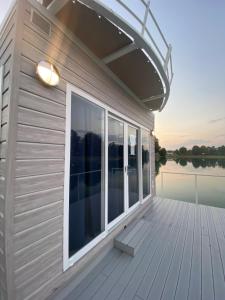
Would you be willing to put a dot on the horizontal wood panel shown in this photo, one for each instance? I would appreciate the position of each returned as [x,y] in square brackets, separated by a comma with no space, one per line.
[31,288]
[6,42]
[5,99]
[4,133]
[24,274]
[34,234]
[2,205]
[32,184]
[2,261]
[38,103]
[39,135]
[39,119]
[28,67]
[8,63]
[2,167]
[2,183]
[6,59]
[31,218]
[5,115]
[3,147]
[32,85]
[1,219]
[37,249]
[38,199]
[7,35]
[2,243]
[6,82]
[39,151]
[38,167]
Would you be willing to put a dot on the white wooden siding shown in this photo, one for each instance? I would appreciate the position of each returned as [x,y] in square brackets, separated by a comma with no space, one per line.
[40,150]
[6,49]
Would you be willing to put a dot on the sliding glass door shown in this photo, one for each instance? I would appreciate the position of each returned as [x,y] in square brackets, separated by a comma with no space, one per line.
[86,194]
[107,172]
[115,168]
[133,188]
[123,167]
[146,163]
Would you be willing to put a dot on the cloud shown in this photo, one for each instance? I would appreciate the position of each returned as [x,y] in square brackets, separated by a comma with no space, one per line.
[217,120]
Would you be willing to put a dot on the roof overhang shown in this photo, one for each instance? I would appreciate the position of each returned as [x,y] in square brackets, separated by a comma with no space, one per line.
[119,46]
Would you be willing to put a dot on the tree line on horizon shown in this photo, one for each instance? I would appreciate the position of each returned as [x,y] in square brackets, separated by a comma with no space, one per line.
[159,150]
[201,150]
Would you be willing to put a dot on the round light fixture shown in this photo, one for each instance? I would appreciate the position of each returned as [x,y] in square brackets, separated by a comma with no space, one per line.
[48,73]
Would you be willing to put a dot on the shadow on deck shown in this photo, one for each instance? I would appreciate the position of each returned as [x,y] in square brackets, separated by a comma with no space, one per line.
[182,257]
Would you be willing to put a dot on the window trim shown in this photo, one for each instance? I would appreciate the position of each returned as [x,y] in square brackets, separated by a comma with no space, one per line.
[108,111]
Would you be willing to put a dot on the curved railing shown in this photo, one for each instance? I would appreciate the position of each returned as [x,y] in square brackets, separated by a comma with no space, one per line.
[138,14]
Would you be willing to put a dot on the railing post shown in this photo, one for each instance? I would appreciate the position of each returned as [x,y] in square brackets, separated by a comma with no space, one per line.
[196,189]
[145,18]
[162,184]
[167,59]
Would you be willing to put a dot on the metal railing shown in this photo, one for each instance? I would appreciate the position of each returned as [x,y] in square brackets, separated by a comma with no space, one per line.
[196,176]
[145,29]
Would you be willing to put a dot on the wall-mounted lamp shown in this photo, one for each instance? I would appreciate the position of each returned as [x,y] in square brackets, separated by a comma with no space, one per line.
[48,73]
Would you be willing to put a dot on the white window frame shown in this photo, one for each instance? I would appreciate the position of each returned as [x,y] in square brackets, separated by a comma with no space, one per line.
[150,169]
[70,261]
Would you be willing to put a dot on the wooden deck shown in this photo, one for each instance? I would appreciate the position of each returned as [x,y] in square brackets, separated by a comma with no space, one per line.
[182,257]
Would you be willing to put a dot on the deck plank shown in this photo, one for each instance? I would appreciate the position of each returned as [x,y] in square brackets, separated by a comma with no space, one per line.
[218,274]
[182,257]
[134,272]
[148,280]
[101,268]
[207,271]
[169,286]
[160,278]
[195,276]
[185,268]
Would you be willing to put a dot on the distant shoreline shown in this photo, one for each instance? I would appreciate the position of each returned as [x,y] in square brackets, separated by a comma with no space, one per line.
[197,156]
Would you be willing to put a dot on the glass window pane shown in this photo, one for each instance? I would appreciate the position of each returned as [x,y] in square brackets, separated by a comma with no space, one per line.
[115,169]
[133,187]
[146,162]
[86,200]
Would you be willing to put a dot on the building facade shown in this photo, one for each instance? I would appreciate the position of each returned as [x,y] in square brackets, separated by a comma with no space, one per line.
[76,159]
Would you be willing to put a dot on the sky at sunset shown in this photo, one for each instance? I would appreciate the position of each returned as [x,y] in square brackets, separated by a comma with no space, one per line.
[195,113]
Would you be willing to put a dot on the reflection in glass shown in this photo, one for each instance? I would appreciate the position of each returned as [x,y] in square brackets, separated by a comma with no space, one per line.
[146,162]
[115,169]
[86,173]
[133,190]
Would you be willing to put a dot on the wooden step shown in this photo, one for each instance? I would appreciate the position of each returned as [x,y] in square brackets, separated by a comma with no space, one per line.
[132,237]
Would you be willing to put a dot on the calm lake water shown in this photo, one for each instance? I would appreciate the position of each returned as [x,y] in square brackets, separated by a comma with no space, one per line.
[210,189]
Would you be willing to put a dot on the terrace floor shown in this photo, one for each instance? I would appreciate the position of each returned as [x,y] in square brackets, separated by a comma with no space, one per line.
[183,257]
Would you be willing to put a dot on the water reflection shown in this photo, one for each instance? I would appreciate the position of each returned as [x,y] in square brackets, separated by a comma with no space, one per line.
[159,163]
[201,162]
[210,189]
[195,162]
